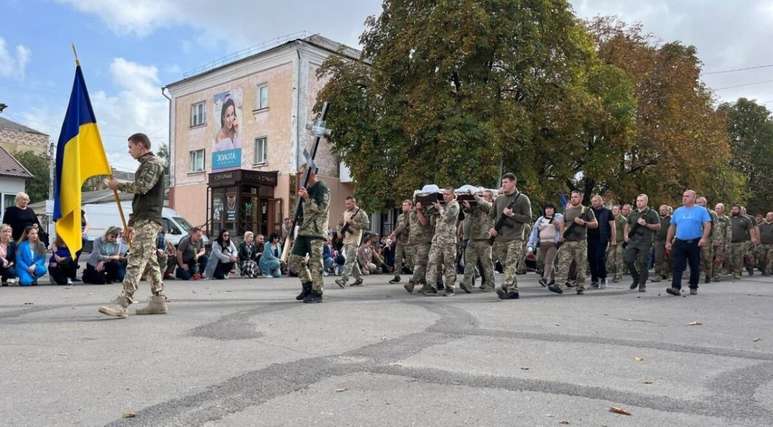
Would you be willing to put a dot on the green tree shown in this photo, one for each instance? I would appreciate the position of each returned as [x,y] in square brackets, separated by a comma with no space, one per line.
[163,154]
[40,167]
[454,92]
[751,138]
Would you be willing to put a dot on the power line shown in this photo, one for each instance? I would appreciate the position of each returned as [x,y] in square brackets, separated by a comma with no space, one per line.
[745,84]
[735,70]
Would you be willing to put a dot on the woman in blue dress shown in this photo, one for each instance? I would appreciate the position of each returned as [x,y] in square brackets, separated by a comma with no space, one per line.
[269,262]
[30,257]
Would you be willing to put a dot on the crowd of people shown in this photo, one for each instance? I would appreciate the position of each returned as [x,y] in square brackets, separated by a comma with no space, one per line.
[559,247]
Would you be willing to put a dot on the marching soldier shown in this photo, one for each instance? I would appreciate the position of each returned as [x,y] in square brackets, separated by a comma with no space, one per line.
[355,221]
[766,244]
[478,250]
[522,269]
[420,237]
[742,233]
[443,249]
[639,231]
[403,249]
[615,250]
[721,236]
[144,225]
[707,252]
[311,239]
[574,229]
[754,239]
[511,210]
[662,257]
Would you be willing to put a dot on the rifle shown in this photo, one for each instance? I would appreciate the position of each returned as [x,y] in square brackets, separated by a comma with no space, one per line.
[571,226]
[502,220]
[348,225]
[635,226]
[319,131]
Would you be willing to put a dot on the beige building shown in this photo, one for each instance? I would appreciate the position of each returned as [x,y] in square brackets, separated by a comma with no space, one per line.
[237,135]
[15,138]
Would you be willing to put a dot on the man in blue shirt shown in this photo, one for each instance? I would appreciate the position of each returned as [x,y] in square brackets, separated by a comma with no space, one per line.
[691,225]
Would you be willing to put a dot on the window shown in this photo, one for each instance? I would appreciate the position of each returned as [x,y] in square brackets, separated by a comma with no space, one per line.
[197,161]
[8,201]
[260,150]
[262,97]
[197,114]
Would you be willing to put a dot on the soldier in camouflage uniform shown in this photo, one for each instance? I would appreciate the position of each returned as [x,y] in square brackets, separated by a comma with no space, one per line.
[707,252]
[615,249]
[355,221]
[639,231]
[311,238]
[522,269]
[662,257]
[749,257]
[721,235]
[766,244]
[442,253]
[574,246]
[403,249]
[478,250]
[144,224]
[741,236]
[420,237]
[512,209]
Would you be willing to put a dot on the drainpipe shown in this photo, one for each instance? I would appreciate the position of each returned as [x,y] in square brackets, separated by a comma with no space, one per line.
[169,143]
[298,129]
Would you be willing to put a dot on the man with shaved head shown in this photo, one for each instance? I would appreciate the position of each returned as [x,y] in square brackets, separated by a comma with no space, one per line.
[643,223]
[721,241]
[687,234]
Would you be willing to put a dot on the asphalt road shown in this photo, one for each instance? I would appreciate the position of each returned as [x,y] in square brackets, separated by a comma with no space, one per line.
[244,352]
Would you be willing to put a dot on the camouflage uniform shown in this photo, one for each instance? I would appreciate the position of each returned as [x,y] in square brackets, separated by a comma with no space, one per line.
[508,243]
[720,241]
[637,251]
[766,247]
[740,227]
[662,258]
[478,248]
[442,252]
[707,252]
[421,239]
[615,252]
[358,221]
[574,247]
[403,248]
[311,237]
[522,261]
[148,189]
[146,220]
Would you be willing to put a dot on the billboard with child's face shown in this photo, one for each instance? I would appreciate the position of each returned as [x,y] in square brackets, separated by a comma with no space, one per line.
[226,143]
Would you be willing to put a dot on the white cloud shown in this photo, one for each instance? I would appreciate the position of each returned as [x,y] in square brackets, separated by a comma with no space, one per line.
[234,24]
[13,64]
[136,106]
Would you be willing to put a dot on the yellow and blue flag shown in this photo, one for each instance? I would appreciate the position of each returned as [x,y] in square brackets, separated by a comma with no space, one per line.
[79,156]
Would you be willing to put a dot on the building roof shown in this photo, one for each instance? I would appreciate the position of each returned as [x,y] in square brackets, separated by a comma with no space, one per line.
[315,40]
[9,124]
[9,166]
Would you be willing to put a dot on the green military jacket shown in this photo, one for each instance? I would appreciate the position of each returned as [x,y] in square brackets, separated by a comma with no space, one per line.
[446,221]
[419,233]
[513,226]
[721,231]
[314,212]
[639,235]
[402,231]
[662,234]
[148,189]
[479,220]
[620,221]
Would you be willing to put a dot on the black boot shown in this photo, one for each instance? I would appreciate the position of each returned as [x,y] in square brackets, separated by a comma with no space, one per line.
[314,297]
[304,292]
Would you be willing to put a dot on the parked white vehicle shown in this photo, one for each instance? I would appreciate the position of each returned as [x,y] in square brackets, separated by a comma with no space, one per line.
[103,215]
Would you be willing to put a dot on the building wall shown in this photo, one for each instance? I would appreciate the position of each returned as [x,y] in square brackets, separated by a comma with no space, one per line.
[14,141]
[290,73]
[9,186]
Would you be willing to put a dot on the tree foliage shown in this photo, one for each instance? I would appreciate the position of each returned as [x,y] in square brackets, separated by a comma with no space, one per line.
[751,139]
[40,167]
[456,92]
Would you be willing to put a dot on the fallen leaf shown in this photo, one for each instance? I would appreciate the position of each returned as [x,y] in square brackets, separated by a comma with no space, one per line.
[757,339]
[341,390]
[696,323]
[524,369]
[564,422]
[129,414]
[28,303]
[638,359]
[621,411]
[648,382]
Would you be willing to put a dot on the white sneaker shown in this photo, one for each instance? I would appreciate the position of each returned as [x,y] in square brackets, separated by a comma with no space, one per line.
[13,282]
[69,282]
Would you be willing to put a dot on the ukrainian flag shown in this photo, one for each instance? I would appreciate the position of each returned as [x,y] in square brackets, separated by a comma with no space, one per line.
[79,156]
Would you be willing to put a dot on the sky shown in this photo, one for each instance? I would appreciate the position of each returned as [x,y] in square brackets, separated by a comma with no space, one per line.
[130,49]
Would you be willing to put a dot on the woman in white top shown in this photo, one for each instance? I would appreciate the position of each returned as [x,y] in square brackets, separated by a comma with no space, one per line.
[545,235]
[223,258]
[227,138]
